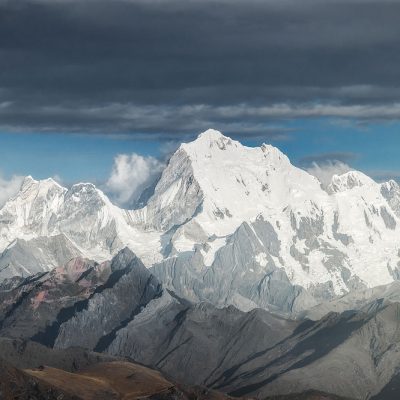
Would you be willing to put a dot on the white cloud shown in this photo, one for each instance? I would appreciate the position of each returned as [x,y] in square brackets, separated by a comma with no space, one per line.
[9,187]
[326,170]
[130,175]
[58,179]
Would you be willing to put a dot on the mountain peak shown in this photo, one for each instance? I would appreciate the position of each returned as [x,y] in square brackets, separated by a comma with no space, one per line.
[212,142]
[209,141]
[349,180]
[390,185]
[87,192]
[28,181]
[214,176]
[33,187]
[211,134]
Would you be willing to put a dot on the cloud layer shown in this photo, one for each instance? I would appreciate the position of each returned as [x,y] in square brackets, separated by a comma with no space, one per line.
[130,175]
[324,172]
[9,187]
[156,69]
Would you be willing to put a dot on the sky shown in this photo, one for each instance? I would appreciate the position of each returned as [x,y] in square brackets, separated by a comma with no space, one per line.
[103,91]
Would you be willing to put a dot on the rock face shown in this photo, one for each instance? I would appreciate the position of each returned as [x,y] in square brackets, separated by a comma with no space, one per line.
[226,224]
[129,288]
[89,299]
[244,273]
[26,257]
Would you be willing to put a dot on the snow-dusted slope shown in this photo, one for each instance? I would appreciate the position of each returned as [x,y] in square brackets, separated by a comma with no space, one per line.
[231,224]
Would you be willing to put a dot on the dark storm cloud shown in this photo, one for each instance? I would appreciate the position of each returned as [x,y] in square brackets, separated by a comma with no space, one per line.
[173,67]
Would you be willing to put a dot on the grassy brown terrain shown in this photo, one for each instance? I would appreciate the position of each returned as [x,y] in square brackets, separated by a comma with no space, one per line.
[117,380]
[114,380]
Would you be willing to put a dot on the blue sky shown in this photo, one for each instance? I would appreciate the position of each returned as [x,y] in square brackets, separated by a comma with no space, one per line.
[372,148]
[72,157]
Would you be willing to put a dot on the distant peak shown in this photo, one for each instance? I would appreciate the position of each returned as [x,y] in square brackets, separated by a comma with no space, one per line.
[390,185]
[349,180]
[390,190]
[51,182]
[87,190]
[29,181]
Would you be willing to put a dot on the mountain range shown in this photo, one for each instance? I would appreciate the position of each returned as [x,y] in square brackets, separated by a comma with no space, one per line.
[241,273]
[225,223]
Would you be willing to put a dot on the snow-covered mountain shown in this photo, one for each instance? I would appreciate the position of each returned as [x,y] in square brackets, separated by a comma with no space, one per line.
[226,223]
[82,217]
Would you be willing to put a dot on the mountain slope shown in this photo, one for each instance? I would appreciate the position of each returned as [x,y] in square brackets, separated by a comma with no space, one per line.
[119,308]
[74,296]
[27,257]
